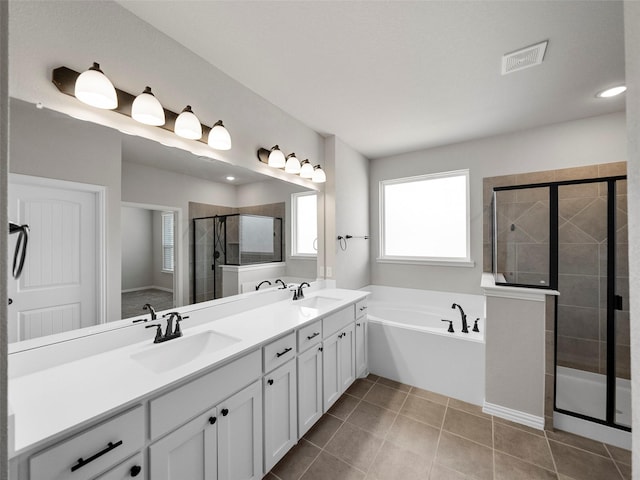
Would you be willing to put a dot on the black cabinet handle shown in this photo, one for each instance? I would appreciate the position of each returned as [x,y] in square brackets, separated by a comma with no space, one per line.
[270,381]
[320,349]
[135,470]
[315,334]
[10,301]
[225,412]
[363,308]
[358,324]
[81,462]
[341,335]
[212,420]
[286,350]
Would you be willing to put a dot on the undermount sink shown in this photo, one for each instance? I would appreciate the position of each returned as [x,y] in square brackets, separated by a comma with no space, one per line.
[317,303]
[174,353]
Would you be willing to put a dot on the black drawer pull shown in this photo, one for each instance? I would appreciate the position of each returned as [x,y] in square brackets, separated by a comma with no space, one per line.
[320,349]
[315,334]
[81,462]
[286,350]
[358,324]
[270,381]
[135,470]
[212,420]
[225,412]
[363,308]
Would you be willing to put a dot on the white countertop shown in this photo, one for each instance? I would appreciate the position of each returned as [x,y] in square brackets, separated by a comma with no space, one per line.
[51,402]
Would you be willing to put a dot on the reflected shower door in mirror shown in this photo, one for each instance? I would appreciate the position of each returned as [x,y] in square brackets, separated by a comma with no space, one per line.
[135,171]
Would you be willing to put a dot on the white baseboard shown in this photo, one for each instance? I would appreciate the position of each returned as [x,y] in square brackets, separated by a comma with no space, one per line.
[137,289]
[516,416]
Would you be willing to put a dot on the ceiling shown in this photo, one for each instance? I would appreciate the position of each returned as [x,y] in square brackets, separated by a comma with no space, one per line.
[389,77]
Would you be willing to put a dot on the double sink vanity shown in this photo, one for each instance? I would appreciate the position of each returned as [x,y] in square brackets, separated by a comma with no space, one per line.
[227,400]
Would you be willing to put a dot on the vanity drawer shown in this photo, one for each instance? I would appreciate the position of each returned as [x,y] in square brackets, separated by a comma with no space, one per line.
[338,320]
[131,468]
[100,447]
[279,351]
[309,335]
[361,308]
[175,408]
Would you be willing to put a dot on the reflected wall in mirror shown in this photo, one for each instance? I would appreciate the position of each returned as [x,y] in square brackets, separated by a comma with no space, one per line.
[127,170]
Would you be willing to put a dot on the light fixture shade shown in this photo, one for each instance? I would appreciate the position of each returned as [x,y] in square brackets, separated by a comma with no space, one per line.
[292,165]
[306,169]
[95,89]
[276,158]
[188,125]
[318,175]
[147,109]
[612,92]
[219,137]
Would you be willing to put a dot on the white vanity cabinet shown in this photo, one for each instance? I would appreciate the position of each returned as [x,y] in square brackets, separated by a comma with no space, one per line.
[361,338]
[309,388]
[280,413]
[338,364]
[221,444]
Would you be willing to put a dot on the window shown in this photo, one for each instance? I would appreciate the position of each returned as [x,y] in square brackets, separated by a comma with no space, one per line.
[304,224]
[425,219]
[167,241]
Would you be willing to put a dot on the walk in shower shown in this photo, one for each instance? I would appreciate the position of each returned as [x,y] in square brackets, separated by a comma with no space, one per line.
[571,236]
[235,239]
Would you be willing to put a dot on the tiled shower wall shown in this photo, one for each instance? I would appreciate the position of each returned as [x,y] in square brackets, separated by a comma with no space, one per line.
[582,263]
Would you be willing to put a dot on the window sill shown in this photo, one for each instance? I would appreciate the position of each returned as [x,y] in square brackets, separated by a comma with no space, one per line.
[166,271]
[303,257]
[432,263]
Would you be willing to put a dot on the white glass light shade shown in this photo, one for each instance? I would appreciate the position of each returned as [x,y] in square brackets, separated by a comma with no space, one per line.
[95,89]
[219,137]
[276,158]
[188,125]
[318,175]
[292,165]
[612,92]
[306,170]
[147,109]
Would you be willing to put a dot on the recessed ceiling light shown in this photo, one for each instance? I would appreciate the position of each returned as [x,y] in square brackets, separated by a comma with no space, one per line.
[231,178]
[612,92]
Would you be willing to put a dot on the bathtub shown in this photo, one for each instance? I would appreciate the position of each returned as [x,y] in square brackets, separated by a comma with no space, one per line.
[408,342]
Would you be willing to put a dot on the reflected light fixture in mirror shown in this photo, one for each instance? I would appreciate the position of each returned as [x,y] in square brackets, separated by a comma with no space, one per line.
[188,125]
[147,109]
[94,88]
[612,92]
[306,169]
[219,137]
[276,158]
[318,175]
[293,164]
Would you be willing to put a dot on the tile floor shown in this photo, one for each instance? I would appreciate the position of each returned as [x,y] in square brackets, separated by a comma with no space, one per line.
[383,430]
[132,302]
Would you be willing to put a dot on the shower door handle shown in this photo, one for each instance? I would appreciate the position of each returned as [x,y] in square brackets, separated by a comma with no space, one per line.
[618,303]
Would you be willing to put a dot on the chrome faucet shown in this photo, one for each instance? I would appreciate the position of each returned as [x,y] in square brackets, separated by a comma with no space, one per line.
[284,285]
[262,283]
[298,294]
[170,333]
[465,327]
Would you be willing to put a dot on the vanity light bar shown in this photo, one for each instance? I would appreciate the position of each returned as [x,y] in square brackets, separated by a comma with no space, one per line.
[65,78]
[320,177]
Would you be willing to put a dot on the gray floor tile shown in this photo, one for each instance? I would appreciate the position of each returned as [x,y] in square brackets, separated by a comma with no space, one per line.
[397,462]
[526,446]
[465,456]
[427,395]
[439,472]
[469,426]
[323,430]
[328,467]
[533,431]
[625,470]
[620,455]
[373,419]
[582,465]
[359,388]
[424,410]
[414,436]
[385,397]
[510,468]
[467,407]
[393,384]
[344,406]
[296,462]
[354,446]
[577,441]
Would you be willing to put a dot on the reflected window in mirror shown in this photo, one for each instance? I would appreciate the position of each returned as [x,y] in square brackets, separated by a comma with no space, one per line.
[167,242]
[304,228]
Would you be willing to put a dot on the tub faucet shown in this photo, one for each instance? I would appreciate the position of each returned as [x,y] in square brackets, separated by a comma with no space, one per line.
[465,327]
[261,283]
[284,285]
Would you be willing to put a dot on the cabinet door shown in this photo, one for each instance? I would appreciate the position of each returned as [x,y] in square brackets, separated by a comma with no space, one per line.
[189,452]
[330,371]
[361,347]
[132,468]
[309,389]
[240,435]
[347,357]
[280,413]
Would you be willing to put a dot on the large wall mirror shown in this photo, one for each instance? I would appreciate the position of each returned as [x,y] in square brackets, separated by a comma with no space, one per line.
[118,221]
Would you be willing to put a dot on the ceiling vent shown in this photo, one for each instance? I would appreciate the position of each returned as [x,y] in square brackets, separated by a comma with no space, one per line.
[524,58]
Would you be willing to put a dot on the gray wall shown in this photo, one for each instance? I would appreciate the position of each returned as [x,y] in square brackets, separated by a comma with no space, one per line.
[632,52]
[137,248]
[588,141]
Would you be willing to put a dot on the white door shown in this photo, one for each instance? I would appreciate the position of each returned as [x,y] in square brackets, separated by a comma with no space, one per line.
[58,287]
[188,453]
[361,347]
[280,413]
[330,371]
[309,389]
[240,435]
[347,357]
